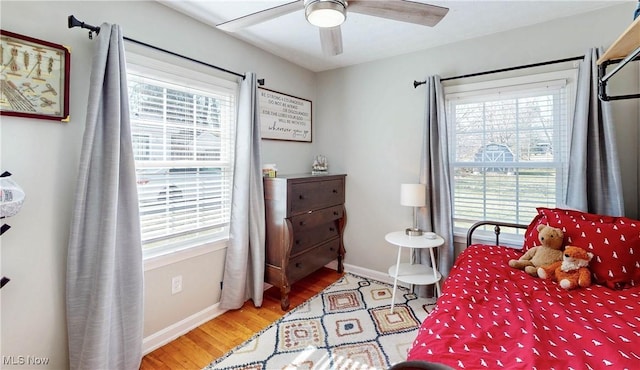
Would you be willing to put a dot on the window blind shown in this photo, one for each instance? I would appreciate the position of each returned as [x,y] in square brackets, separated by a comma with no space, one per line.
[183,134]
[508,149]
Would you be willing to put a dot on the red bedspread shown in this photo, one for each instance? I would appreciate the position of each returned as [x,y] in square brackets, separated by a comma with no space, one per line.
[491,316]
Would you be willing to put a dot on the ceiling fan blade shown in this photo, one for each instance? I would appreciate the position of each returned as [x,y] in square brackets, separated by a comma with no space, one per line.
[261,16]
[331,40]
[400,10]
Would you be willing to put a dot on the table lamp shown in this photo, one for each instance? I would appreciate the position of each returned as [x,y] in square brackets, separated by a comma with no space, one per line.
[413,195]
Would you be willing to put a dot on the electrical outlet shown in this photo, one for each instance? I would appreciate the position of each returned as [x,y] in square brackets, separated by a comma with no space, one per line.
[176,284]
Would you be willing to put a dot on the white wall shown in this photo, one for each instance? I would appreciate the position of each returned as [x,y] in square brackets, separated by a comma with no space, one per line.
[372,118]
[43,157]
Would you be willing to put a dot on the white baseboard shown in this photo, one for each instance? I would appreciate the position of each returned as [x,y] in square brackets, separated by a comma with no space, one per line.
[373,274]
[170,333]
[365,272]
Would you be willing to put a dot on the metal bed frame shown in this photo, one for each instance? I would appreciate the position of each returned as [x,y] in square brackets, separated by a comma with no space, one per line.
[496,229]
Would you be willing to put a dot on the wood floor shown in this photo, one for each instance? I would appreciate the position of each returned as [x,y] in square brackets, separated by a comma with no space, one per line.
[202,345]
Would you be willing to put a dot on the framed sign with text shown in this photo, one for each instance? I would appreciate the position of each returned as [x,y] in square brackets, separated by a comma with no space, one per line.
[284,117]
[34,78]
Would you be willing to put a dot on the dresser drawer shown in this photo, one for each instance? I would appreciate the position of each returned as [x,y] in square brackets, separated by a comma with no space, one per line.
[311,219]
[306,196]
[312,228]
[312,260]
[312,237]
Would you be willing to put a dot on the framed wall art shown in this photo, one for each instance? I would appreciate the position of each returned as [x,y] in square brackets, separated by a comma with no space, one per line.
[284,117]
[34,78]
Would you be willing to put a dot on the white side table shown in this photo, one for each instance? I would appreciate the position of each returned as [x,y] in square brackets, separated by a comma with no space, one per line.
[411,273]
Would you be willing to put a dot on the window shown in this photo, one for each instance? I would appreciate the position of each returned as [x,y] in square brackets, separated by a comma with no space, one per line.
[508,146]
[182,127]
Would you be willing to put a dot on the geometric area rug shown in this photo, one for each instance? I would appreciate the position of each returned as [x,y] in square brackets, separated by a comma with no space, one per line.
[349,325]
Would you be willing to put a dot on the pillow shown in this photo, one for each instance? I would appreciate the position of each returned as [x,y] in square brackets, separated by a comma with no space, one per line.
[531,235]
[614,241]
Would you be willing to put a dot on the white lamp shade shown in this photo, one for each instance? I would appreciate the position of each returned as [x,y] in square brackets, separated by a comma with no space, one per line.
[413,195]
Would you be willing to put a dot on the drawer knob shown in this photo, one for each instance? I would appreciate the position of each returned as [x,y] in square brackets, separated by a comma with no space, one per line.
[332,229]
[332,249]
[335,191]
[298,264]
[335,213]
[297,242]
[301,223]
[301,196]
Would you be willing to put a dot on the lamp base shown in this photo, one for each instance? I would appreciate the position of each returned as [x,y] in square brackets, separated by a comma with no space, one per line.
[413,232]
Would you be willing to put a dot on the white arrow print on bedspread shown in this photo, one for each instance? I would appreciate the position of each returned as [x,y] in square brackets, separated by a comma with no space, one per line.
[623,354]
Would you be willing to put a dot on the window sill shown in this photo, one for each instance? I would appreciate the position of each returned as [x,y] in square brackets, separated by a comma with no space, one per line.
[154,262]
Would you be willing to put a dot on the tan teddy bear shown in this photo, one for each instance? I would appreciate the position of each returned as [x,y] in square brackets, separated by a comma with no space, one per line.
[572,272]
[547,253]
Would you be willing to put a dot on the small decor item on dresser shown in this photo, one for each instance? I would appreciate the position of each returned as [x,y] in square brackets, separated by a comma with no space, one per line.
[269,170]
[320,165]
[34,78]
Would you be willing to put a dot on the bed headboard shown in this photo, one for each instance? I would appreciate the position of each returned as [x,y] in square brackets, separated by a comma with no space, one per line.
[496,229]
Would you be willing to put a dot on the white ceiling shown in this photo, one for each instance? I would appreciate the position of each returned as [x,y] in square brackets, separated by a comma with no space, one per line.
[367,38]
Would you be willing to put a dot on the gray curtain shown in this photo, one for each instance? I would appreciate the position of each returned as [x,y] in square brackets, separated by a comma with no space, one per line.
[104,265]
[434,173]
[593,183]
[244,264]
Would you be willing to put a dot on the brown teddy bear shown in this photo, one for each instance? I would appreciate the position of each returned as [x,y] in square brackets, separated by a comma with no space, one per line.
[572,272]
[550,251]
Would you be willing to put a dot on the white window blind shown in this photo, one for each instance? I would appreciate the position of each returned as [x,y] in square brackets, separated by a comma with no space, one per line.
[183,140]
[508,147]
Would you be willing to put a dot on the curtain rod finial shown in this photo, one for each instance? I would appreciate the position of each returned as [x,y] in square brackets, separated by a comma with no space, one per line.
[418,83]
[74,22]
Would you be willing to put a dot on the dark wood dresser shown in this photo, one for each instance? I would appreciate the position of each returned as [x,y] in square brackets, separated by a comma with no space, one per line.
[305,219]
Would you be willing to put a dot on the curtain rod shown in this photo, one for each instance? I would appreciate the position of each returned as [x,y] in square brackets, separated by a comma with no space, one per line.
[74,22]
[418,83]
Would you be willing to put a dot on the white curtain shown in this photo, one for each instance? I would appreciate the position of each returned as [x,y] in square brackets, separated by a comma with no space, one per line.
[104,265]
[594,183]
[434,173]
[244,265]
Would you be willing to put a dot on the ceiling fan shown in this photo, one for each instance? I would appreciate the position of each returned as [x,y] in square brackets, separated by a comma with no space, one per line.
[328,15]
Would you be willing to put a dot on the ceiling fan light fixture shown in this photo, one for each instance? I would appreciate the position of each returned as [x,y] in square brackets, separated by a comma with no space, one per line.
[325,13]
